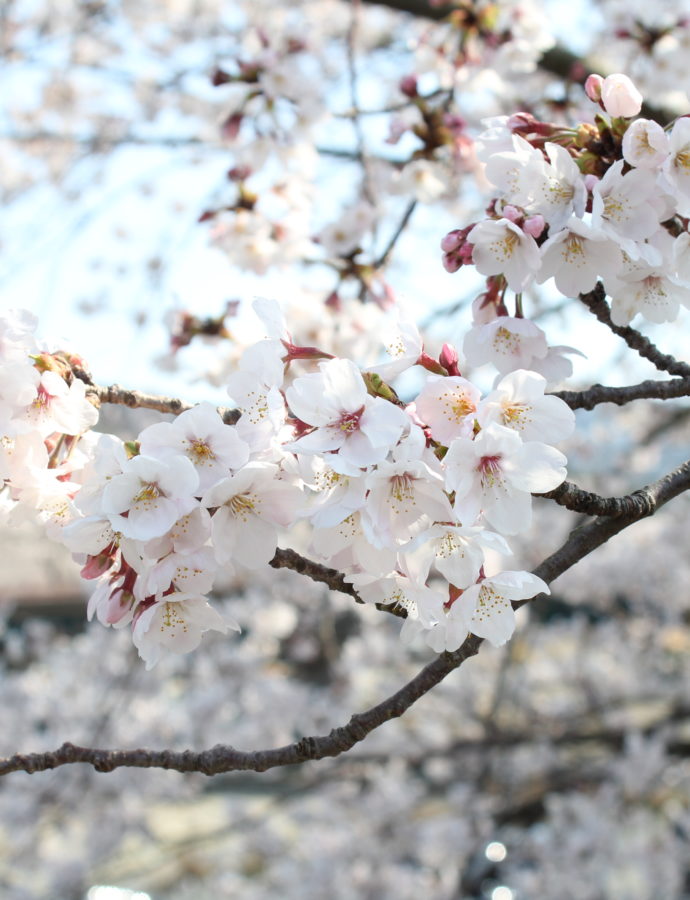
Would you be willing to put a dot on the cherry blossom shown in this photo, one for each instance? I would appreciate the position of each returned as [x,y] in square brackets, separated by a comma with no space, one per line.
[487,607]
[577,256]
[448,406]
[250,506]
[212,447]
[175,624]
[335,400]
[620,97]
[495,474]
[153,493]
[645,144]
[519,402]
[501,248]
[507,342]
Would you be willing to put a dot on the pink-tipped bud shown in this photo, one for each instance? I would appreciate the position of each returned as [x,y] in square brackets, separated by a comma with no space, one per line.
[521,121]
[593,86]
[590,182]
[408,86]
[512,213]
[452,262]
[453,240]
[448,357]
[534,225]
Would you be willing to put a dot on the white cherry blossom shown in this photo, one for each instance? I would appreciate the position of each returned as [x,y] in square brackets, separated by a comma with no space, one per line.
[496,473]
[500,247]
[622,206]
[250,506]
[457,552]
[487,607]
[576,256]
[676,168]
[447,405]
[645,144]
[153,494]
[519,402]
[346,419]
[620,96]
[507,342]
[214,448]
[175,624]
[402,497]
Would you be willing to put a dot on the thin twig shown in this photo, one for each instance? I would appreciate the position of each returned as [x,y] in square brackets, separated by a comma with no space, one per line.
[407,215]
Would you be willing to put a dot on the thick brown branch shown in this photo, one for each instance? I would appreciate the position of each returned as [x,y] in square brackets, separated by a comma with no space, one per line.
[645,390]
[595,301]
[638,504]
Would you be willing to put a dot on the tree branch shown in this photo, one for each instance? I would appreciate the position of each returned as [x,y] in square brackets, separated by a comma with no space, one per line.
[638,504]
[595,301]
[118,395]
[290,559]
[225,758]
[645,390]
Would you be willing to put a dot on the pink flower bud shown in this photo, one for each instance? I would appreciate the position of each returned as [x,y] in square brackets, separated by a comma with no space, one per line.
[453,240]
[593,86]
[448,357]
[408,86]
[620,97]
[534,225]
[451,262]
[512,213]
[590,182]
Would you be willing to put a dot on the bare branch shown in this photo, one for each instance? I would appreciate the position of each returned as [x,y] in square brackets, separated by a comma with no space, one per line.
[118,395]
[645,390]
[637,504]
[595,301]
[290,559]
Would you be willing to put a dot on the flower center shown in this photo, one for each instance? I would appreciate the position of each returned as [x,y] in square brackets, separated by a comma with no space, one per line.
[200,452]
[490,470]
[242,506]
[349,422]
[148,492]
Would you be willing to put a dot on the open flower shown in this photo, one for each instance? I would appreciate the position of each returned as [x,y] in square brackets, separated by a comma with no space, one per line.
[500,247]
[250,507]
[214,448]
[360,428]
[175,624]
[496,473]
[150,496]
[519,403]
[487,608]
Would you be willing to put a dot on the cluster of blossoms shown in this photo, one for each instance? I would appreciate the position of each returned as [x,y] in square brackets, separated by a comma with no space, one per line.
[608,200]
[403,498]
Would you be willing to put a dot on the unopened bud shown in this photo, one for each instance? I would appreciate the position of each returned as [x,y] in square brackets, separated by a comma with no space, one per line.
[534,225]
[593,86]
[408,86]
[448,357]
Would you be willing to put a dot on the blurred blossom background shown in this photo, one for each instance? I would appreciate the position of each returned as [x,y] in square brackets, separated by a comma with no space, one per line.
[162,163]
